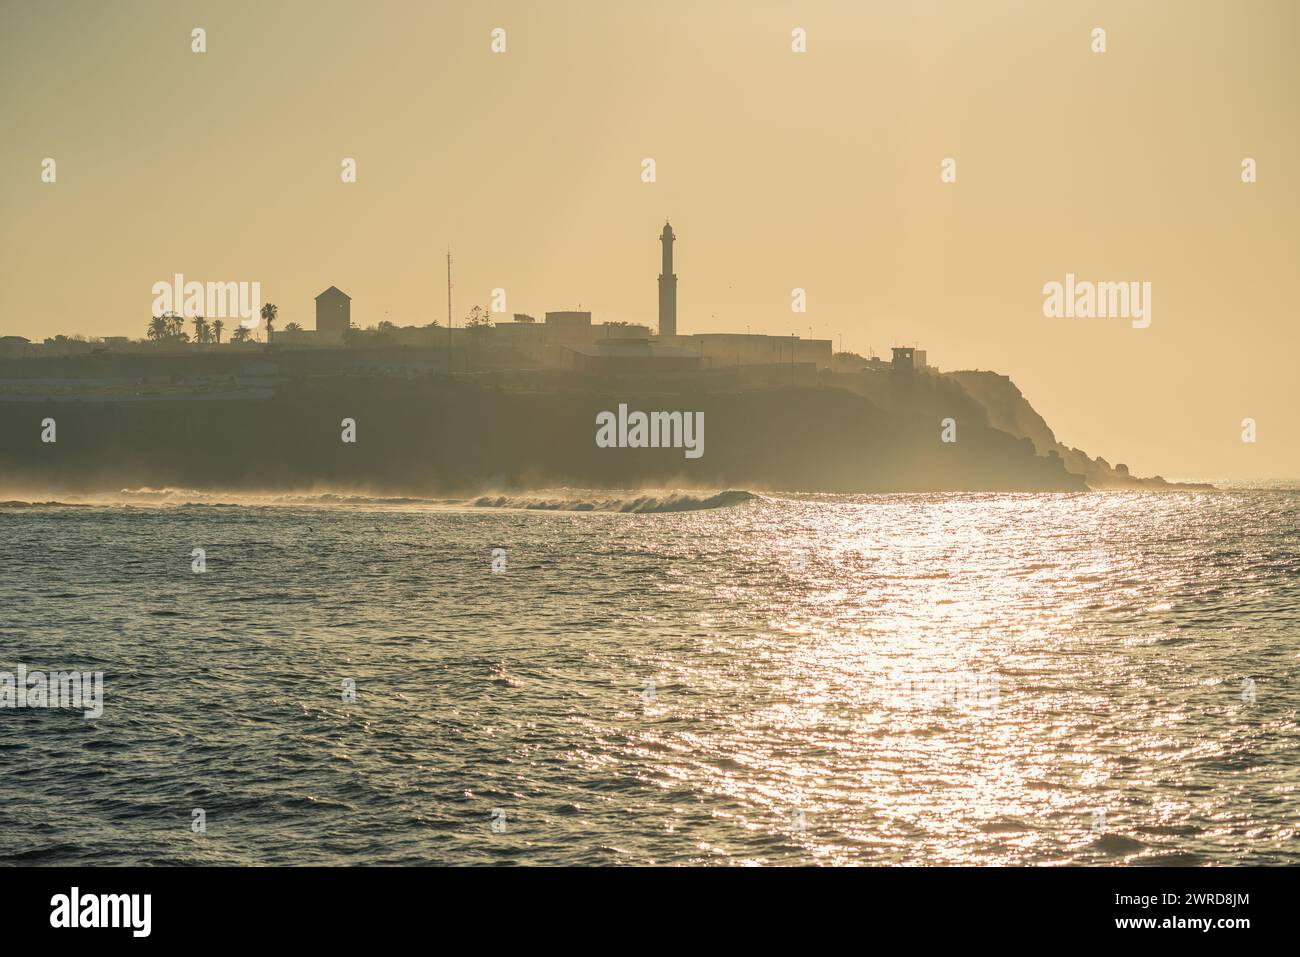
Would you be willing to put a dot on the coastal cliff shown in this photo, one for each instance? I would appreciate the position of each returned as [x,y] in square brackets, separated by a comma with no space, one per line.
[443,434]
[1008,410]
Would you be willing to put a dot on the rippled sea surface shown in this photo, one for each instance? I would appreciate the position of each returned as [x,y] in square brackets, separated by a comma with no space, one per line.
[919,679]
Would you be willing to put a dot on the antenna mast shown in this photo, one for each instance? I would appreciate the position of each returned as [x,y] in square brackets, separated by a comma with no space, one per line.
[448,287]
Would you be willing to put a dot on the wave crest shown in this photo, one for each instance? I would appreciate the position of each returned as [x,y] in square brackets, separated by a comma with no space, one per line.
[640,504]
[553,500]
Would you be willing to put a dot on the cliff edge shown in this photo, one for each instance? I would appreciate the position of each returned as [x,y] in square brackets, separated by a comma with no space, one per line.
[1008,410]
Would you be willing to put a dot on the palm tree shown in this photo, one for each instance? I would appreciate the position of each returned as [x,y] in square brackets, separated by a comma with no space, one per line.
[200,330]
[159,329]
[175,325]
[293,327]
[239,335]
[269,312]
[217,326]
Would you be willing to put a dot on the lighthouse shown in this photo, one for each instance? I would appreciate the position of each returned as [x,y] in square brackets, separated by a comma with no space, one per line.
[667,287]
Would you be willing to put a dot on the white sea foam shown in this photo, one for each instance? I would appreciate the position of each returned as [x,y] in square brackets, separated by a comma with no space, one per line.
[557,500]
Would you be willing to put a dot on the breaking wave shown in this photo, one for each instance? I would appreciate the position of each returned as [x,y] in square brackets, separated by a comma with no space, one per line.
[603,502]
[553,500]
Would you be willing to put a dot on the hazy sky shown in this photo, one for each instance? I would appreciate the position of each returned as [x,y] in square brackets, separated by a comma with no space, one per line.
[778,170]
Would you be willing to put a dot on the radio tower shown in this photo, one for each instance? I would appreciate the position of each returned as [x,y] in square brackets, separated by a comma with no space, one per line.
[449,288]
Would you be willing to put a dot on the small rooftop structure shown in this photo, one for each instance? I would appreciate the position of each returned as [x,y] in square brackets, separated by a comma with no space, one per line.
[568,318]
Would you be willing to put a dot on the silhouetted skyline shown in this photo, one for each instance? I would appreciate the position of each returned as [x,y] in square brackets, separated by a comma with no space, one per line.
[1124,165]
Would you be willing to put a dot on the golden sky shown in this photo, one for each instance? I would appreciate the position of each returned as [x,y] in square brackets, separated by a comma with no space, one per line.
[778,170]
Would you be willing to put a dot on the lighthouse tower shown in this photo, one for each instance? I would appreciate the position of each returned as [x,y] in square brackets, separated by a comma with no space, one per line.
[667,287]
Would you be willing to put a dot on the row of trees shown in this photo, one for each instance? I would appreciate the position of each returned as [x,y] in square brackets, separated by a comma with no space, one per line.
[170,327]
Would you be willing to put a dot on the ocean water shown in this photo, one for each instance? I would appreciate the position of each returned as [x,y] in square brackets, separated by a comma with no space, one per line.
[1101,678]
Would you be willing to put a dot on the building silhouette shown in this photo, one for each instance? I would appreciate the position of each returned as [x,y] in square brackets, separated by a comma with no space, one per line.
[667,287]
[557,339]
[333,315]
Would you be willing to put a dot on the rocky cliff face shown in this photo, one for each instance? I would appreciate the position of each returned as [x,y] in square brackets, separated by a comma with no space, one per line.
[215,421]
[1008,410]
[442,434]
